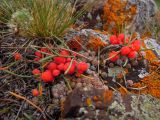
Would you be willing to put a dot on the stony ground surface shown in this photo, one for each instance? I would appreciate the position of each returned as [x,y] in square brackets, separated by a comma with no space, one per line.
[90,104]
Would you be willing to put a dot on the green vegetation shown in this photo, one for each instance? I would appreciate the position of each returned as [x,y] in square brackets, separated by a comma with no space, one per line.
[158,2]
[40,18]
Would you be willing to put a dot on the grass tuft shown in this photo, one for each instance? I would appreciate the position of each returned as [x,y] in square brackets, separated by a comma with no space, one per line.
[41,18]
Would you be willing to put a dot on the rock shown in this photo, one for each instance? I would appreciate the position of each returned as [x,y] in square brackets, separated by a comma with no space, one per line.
[111,106]
[90,39]
[146,9]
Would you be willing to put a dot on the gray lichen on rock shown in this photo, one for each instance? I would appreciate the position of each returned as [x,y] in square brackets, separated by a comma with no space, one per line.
[121,107]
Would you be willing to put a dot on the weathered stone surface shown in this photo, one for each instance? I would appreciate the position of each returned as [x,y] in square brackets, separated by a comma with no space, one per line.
[126,107]
[86,33]
[145,10]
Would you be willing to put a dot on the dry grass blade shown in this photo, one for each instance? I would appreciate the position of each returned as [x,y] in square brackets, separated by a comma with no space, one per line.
[28,101]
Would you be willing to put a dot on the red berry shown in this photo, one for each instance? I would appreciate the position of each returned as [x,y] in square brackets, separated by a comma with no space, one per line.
[17,56]
[132,54]
[35,92]
[60,67]
[70,66]
[56,73]
[125,50]
[136,45]
[126,41]
[38,54]
[47,76]
[75,62]
[121,37]
[59,60]
[69,59]
[137,42]
[36,72]
[80,72]
[45,50]
[113,40]
[36,59]
[113,56]
[64,53]
[52,66]
[82,67]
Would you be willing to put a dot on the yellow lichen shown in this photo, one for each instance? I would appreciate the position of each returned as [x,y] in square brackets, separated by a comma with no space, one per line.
[95,43]
[116,15]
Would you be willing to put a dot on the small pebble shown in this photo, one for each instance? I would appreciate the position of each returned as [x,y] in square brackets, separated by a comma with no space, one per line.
[79,85]
[128,66]
[93,68]
[130,82]
[93,53]
[84,84]
[73,84]
[119,62]
[89,71]
[134,63]
[61,96]
[95,61]
[111,65]
[104,75]
[56,95]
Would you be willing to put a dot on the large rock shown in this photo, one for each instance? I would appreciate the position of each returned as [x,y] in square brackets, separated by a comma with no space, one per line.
[100,104]
[145,10]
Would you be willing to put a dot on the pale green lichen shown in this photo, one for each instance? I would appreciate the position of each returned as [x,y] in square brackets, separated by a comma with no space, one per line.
[143,107]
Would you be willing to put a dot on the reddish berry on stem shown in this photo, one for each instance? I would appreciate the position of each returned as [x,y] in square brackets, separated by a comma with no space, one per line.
[35,92]
[121,38]
[113,56]
[59,60]
[56,73]
[38,54]
[36,72]
[113,39]
[69,59]
[125,50]
[71,69]
[82,67]
[17,56]
[47,76]
[45,50]
[36,59]
[52,66]
[132,54]
[136,45]
[60,67]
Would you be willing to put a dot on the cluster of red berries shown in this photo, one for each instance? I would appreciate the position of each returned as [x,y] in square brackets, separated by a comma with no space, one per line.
[40,54]
[62,64]
[130,51]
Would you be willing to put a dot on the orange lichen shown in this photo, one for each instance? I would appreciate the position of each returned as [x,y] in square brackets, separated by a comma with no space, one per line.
[116,15]
[123,90]
[89,101]
[101,32]
[152,81]
[95,43]
[150,56]
[107,96]
[96,98]
[75,43]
